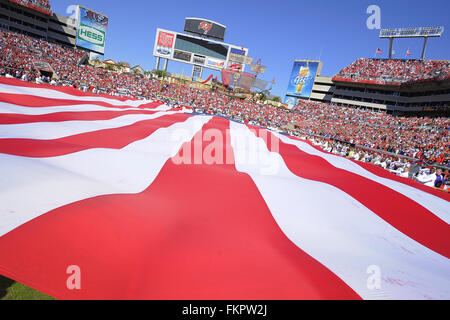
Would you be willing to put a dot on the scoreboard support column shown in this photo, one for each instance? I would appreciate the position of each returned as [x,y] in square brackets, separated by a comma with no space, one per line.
[424,48]
[197,72]
[391,44]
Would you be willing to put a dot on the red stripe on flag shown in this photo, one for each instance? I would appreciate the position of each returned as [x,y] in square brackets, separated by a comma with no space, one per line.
[67,90]
[37,102]
[12,118]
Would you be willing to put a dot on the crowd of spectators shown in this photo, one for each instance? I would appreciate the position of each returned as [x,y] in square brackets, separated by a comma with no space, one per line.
[359,134]
[39,5]
[422,138]
[395,70]
[428,175]
[19,54]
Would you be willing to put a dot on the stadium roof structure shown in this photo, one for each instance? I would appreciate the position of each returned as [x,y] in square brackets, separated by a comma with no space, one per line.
[417,32]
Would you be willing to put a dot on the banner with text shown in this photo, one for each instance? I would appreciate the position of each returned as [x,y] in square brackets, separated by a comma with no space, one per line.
[92,27]
[302,78]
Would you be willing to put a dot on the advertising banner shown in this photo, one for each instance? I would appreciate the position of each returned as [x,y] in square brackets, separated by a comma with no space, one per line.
[165,43]
[302,78]
[290,101]
[215,63]
[240,58]
[92,27]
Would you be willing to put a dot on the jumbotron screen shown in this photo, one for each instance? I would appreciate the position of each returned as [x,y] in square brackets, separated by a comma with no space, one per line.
[202,47]
[205,28]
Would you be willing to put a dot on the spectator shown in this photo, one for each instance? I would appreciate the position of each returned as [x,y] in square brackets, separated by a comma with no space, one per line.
[440,179]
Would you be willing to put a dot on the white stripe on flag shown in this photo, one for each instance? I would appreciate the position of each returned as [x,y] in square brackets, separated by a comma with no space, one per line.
[15,109]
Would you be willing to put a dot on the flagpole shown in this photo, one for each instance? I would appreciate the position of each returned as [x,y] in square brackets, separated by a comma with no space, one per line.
[160,83]
[179,85]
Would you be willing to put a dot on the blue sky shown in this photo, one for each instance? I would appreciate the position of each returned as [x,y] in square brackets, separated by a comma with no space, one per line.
[278,31]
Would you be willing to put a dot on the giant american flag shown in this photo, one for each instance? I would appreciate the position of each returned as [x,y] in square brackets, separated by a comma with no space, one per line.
[100,183]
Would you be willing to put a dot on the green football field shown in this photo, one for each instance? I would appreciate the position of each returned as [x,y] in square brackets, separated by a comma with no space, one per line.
[12,290]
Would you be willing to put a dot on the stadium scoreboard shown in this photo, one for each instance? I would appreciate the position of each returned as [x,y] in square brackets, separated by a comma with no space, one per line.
[195,50]
[205,28]
[418,32]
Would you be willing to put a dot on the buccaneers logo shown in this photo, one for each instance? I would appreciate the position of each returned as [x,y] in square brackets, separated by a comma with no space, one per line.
[100,19]
[205,26]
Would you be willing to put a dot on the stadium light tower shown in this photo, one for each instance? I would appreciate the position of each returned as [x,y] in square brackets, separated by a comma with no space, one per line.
[420,32]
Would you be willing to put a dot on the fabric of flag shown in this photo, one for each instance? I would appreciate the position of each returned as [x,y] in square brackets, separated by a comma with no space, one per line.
[235,67]
[226,76]
[379,51]
[408,52]
[95,181]
[207,80]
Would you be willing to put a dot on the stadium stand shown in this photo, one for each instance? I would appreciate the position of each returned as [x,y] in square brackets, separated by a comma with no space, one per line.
[421,138]
[20,53]
[38,5]
[396,72]
[392,142]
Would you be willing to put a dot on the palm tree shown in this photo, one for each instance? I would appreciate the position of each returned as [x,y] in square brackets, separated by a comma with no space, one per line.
[160,73]
[97,62]
[262,96]
[109,67]
[121,66]
[276,99]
